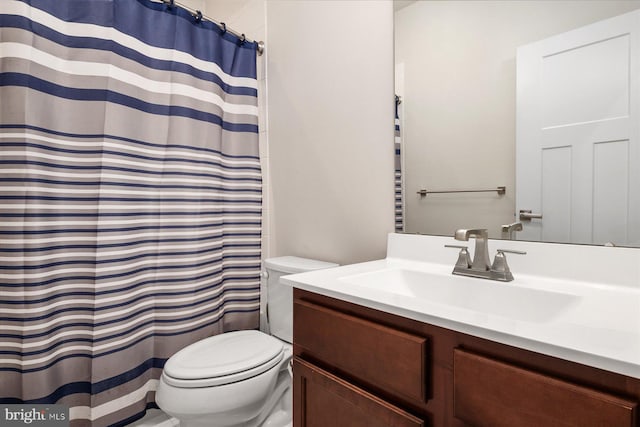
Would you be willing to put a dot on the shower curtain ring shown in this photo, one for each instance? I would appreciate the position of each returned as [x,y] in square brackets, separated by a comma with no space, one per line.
[224,27]
[243,39]
[198,16]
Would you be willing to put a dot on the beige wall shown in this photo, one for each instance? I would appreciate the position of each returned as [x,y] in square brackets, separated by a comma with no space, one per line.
[326,137]
[459,100]
[330,119]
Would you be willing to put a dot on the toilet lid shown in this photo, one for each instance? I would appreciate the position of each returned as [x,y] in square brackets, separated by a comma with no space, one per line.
[224,358]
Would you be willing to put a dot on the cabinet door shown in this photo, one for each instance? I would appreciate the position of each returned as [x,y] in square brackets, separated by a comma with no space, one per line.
[491,393]
[321,399]
[380,357]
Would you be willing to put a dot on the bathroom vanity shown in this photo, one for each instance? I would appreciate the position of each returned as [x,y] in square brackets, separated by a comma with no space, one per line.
[366,367]
[390,356]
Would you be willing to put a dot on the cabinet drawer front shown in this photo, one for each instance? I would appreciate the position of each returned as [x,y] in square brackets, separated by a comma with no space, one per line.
[378,356]
[322,399]
[492,393]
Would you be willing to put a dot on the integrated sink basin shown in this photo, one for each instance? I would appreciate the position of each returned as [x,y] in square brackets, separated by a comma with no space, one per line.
[507,300]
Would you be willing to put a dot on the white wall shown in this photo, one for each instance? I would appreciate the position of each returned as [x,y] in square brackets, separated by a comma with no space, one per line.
[459,100]
[326,122]
[330,120]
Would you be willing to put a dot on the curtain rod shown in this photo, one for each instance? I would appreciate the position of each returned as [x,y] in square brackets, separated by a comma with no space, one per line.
[199,16]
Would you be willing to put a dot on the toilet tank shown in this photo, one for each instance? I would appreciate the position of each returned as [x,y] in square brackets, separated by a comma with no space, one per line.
[280,297]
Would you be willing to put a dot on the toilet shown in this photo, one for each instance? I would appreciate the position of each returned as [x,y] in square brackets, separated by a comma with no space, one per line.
[239,378]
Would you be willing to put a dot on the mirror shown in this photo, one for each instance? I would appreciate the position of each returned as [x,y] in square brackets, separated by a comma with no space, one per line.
[455,67]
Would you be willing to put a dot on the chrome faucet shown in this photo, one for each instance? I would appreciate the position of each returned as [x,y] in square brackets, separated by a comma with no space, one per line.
[509,230]
[481,255]
[480,266]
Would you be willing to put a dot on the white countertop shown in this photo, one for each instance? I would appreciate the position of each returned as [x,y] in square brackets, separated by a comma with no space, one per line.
[598,325]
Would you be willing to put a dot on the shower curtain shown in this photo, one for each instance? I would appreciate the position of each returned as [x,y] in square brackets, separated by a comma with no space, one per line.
[130,198]
[399,206]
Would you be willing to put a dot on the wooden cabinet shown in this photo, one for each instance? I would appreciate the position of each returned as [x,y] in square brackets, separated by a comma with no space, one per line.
[322,399]
[356,366]
[495,394]
[379,356]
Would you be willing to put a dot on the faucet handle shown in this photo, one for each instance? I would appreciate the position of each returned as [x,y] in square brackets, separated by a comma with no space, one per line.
[511,251]
[500,265]
[464,259]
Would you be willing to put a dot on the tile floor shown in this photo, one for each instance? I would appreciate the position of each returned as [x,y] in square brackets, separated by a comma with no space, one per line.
[155,418]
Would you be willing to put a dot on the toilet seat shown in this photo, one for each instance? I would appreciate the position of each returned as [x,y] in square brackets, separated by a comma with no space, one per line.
[223,359]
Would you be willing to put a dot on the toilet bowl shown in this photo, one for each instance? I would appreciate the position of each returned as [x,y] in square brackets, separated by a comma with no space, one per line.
[239,378]
[225,380]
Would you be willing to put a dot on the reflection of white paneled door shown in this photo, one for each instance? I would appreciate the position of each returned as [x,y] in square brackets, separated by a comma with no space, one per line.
[578,134]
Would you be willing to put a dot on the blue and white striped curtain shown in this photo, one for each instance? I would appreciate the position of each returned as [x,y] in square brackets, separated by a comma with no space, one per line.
[399,208]
[130,198]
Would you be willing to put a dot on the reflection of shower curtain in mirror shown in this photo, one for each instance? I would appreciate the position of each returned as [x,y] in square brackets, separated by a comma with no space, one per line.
[399,217]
